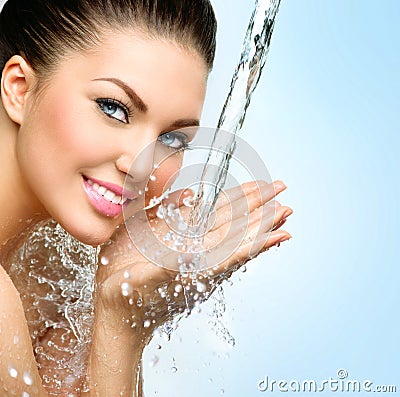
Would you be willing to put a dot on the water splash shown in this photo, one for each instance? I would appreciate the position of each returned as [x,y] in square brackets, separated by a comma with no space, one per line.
[55,275]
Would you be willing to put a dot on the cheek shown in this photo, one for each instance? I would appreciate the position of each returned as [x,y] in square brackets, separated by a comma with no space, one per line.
[67,129]
[165,175]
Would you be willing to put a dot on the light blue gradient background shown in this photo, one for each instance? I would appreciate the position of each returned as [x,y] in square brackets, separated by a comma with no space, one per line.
[325,118]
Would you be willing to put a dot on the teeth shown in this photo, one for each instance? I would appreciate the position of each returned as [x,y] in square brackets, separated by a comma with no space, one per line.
[107,194]
[102,190]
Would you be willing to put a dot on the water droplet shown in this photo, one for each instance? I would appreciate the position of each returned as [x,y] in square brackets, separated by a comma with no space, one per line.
[126,289]
[159,347]
[13,372]
[25,394]
[222,391]
[27,377]
[153,178]
[127,275]
[160,212]
[201,287]
[16,340]
[104,261]
[146,323]
[244,269]
[188,201]
[174,370]
[154,361]
[178,288]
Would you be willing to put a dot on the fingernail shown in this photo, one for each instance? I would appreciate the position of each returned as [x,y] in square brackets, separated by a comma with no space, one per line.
[285,238]
[279,185]
[287,213]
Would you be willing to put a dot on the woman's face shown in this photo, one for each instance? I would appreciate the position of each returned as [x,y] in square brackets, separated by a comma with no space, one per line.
[98,113]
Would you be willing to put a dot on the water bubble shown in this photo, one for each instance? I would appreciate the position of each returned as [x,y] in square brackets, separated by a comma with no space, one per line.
[159,347]
[13,372]
[16,340]
[127,275]
[153,178]
[154,361]
[104,261]
[25,394]
[126,289]
[222,391]
[174,370]
[27,377]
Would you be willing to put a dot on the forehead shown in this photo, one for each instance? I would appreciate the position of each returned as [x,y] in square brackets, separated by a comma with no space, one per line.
[155,68]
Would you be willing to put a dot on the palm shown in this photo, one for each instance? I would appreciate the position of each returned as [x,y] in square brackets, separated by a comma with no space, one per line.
[150,293]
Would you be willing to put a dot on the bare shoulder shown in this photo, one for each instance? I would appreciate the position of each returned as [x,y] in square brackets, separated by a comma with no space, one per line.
[17,359]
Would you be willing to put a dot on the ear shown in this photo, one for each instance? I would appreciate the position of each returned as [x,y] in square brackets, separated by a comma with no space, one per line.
[17,80]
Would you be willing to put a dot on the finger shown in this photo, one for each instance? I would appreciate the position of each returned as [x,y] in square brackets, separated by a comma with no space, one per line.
[250,249]
[257,193]
[264,218]
[250,199]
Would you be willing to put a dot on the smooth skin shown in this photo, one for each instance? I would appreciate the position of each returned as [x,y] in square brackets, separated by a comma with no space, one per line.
[83,122]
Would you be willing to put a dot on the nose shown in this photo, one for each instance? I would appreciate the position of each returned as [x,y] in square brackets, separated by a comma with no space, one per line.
[138,162]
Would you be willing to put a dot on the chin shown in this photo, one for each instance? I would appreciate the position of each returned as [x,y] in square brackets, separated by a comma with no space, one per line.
[93,235]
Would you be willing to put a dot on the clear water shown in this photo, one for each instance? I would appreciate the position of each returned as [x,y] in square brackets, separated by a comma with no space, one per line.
[55,275]
[245,80]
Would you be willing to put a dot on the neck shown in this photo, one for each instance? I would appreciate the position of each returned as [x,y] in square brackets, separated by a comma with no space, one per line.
[19,207]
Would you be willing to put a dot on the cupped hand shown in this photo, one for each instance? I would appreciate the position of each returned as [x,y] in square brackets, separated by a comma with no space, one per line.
[145,285]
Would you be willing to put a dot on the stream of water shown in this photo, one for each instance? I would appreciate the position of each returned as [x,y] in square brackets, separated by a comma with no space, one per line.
[245,80]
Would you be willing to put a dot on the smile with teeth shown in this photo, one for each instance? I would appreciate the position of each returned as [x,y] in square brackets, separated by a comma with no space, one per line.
[107,194]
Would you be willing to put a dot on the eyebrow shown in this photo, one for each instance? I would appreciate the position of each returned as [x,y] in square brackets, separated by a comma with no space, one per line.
[184,123]
[135,98]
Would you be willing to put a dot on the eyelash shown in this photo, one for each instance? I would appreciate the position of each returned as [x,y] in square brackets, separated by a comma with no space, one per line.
[119,104]
[185,145]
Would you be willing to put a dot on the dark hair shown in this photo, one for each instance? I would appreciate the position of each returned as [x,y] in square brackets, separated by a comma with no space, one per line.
[42,31]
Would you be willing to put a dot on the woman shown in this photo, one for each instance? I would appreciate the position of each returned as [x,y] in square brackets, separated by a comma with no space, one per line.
[87,87]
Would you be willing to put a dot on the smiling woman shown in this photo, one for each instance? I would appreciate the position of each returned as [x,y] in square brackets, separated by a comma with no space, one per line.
[89,88]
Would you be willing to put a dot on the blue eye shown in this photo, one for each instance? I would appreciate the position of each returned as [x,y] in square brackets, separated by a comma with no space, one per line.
[114,109]
[174,140]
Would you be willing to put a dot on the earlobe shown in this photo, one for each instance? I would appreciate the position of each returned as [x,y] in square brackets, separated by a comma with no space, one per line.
[16,82]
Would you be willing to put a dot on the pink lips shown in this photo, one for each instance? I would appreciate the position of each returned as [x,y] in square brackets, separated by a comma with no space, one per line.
[102,205]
